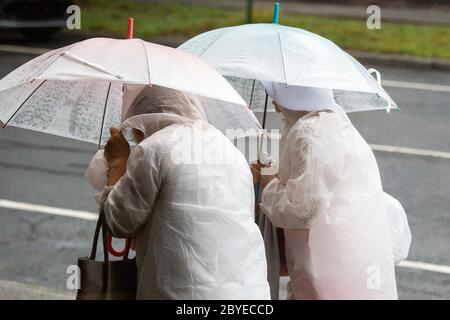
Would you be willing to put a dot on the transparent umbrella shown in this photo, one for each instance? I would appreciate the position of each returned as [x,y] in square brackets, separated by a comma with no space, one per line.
[289,56]
[76,91]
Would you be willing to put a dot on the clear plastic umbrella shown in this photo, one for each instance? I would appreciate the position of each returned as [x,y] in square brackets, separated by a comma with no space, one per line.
[288,56]
[76,91]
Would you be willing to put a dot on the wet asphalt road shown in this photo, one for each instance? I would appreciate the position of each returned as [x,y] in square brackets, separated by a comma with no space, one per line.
[41,169]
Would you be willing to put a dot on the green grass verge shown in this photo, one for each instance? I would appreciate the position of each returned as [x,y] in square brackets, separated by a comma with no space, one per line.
[182,20]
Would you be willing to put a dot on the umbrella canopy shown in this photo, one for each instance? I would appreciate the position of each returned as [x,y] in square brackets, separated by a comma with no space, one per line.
[76,91]
[291,57]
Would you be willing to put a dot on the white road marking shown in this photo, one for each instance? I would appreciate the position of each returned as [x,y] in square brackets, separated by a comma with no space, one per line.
[411,151]
[22,49]
[8,204]
[85,215]
[387,83]
[416,85]
[12,290]
[425,266]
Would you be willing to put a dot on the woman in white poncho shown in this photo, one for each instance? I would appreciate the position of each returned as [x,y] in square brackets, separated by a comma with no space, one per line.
[328,199]
[193,220]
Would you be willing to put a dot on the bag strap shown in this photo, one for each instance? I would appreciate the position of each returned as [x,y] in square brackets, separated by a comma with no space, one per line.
[95,240]
[101,225]
[104,237]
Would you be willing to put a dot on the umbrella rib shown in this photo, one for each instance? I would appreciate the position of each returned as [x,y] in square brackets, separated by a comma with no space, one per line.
[148,63]
[282,56]
[25,101]
[104,114]
[89,64]
[213,42]
[48,66]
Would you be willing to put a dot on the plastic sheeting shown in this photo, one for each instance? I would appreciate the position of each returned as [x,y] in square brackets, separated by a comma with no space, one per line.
[329,200]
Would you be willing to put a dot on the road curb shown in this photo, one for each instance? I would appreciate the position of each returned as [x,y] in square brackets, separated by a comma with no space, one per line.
[406,61]
[365,57]
[390,59]
[429,15]
[11,290]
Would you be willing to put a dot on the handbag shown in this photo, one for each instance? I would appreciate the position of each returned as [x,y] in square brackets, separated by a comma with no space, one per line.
[106,280]
[282,250]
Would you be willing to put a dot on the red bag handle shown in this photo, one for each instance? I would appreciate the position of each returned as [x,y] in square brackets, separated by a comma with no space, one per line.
[111,249]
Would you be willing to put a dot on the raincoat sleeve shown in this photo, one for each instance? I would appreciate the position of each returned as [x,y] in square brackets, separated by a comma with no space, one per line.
[399,228]
[307,193]
[130,202]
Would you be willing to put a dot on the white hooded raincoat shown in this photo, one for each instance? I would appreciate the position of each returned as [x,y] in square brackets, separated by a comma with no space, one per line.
[329,200]
[193,217]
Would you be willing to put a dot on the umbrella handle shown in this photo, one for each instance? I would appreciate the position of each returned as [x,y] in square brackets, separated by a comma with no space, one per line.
[263,126]
[377,74]
[378,78]
[111,249]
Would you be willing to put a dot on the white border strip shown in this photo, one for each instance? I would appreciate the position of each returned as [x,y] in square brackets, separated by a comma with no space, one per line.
[85,215]
[425,266]
[22,49]
[416,85]
[411,151]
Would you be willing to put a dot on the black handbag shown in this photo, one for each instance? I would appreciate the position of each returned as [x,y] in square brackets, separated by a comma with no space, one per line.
[106,280]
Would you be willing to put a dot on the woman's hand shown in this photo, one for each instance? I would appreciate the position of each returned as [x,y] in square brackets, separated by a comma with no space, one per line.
[117,151]
[255,168]
[265,179]
[258,173]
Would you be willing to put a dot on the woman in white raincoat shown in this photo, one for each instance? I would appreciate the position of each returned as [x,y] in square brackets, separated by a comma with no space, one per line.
[192,217]
[329,200]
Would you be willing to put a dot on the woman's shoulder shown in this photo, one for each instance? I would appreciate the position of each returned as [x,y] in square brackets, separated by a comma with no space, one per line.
[319,124]
[170,137]
[306,125]
[157,142]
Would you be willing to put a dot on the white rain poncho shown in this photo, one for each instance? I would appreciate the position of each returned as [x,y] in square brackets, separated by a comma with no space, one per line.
[329,200]
[193,220]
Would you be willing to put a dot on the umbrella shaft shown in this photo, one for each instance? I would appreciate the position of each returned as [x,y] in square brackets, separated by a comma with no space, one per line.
[263,125]
[265,112]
